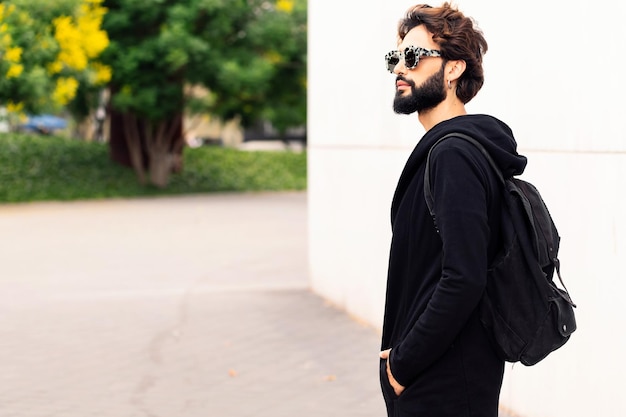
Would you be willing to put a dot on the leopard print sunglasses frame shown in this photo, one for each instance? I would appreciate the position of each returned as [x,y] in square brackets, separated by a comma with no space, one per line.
[411,56]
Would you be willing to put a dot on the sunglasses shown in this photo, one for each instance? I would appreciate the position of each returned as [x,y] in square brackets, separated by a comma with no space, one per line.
[411,57]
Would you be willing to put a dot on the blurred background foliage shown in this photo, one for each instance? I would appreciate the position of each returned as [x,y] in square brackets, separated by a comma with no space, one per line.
[158,60]
[249,54]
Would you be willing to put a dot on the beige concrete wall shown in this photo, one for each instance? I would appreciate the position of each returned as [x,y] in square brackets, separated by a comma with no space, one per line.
[552,74]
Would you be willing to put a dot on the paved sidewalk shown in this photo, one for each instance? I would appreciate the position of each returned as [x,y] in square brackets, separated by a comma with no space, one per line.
[173,307]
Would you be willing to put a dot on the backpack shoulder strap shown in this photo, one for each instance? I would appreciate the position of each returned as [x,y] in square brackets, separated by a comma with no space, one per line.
[428,195]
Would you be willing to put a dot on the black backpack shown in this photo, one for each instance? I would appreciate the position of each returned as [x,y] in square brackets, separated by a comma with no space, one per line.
[525,313]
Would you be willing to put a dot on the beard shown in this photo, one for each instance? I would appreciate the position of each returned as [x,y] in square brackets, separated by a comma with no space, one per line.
[423,98]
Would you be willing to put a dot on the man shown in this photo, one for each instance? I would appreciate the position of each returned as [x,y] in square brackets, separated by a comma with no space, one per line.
[436,359]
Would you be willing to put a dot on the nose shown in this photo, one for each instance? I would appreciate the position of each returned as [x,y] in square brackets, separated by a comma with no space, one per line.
[400,68]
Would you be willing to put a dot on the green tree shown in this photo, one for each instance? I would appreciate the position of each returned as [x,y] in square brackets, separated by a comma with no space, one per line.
[46,50]
[248,55]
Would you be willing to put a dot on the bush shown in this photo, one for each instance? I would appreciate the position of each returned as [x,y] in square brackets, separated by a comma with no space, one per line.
[37,168]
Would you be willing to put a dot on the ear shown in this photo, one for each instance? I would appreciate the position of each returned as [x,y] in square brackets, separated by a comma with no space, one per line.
[454,69]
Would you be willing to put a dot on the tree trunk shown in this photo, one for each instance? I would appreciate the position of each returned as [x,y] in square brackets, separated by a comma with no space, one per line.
[165,149]
[118,147]
[155,148]
[134,143]
[161,166]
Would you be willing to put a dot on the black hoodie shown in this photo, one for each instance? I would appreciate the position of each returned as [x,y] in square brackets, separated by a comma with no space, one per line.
[435,281]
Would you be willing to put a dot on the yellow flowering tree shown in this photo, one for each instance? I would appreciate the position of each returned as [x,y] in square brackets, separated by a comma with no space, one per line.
[49,53]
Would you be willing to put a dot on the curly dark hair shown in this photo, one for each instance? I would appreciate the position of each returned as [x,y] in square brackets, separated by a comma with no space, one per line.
[458,37]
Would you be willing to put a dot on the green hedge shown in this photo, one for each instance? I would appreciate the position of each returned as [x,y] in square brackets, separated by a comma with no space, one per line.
[37,168]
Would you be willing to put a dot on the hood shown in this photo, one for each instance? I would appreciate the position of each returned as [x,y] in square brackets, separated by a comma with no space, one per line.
[492,133]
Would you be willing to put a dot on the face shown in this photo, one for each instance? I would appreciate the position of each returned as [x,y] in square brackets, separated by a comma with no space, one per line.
[423,87]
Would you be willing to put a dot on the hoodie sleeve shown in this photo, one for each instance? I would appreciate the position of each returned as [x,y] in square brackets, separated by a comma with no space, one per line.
[460,190]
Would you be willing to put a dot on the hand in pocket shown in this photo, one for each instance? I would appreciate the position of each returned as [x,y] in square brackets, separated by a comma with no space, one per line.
[397,388]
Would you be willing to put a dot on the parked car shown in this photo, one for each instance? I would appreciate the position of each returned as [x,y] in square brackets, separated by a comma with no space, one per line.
[44,124]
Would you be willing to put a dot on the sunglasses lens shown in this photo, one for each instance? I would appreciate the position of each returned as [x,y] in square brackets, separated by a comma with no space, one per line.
[410,58]
[392,61]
